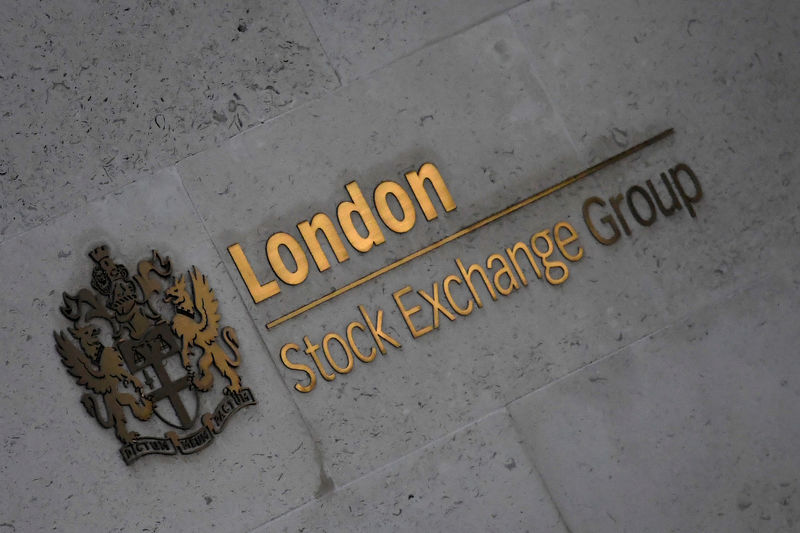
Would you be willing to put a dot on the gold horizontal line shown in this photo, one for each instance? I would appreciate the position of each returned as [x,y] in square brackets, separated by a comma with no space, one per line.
[472,227]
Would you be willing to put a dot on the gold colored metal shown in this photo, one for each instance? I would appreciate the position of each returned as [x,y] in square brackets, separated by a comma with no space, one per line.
[368,328]
[203,334]
[373,351]
[143,341]
[312,377]
[258,291]
[547,263]
[477,225]
[416,180]
[409,213]
[408,312]
[354,216]
[359,206]
[309,230]
[562,243]
[298,255]
[346,347]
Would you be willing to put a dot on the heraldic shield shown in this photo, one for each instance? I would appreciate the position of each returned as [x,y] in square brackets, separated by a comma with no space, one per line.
[150,350]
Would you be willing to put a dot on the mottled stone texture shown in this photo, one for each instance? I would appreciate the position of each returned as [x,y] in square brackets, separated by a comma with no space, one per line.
[470,105]
[475,480]
[655,390]
[361,36]
[91,93]
[61,470]
[692,429]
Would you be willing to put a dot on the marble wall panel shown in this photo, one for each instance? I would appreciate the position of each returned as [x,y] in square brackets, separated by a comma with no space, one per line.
[471,106]
[691,429]
[360,36]
[504,109]
[93,94]
[60,469]
[723,77]
[511,144]
[478,479]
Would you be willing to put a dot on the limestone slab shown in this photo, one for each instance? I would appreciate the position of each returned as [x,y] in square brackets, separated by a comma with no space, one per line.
[468,104]
[360,36]
[691,429]
[721,75]
[477,479]
[91,95]
[708,70]
[60,469]
[472,104]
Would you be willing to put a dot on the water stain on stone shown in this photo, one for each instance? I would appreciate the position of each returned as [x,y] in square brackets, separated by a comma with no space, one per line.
[620,136]
[744,501]
[501,47]
[325,484]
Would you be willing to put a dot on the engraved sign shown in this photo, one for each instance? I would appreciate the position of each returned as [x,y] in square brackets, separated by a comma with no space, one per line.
[143,346]
[543,257]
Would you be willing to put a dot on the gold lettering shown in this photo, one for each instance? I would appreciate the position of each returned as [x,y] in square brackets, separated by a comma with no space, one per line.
[436,305]
[257,291]
[276,261]
[358,206]
[608,219]
[506,269]
[615,201]
[409,213]
[311,349]
[372,353]
[512,254]
[312,377]
[377,331]
[408,312]
[461,311]
[350,362]
[322,222]
[544,256]
[417,181]
[562,243]
[466,274]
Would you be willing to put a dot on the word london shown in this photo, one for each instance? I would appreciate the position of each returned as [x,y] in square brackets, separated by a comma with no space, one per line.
[346,212]
[545,255]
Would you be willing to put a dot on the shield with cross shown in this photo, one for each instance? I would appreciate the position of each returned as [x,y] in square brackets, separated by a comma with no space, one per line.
[157,356]
[149,344]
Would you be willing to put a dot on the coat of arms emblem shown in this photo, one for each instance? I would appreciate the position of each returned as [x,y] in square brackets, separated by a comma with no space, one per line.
[150,349]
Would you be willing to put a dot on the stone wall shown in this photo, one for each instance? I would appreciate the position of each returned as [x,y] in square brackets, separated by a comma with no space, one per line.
[655,389]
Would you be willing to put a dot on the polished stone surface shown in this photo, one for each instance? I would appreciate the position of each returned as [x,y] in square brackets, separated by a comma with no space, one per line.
[723,79]
[61,470]
[477,479]
[654,390]
[361,36]
[691,429]
[493,143]
[90,95]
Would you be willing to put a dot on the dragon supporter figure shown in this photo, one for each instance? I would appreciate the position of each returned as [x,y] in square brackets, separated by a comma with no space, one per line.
[196,323]
[102,370]
[142,345]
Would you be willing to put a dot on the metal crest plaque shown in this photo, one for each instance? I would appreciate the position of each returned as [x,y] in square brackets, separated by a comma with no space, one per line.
[144,345]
